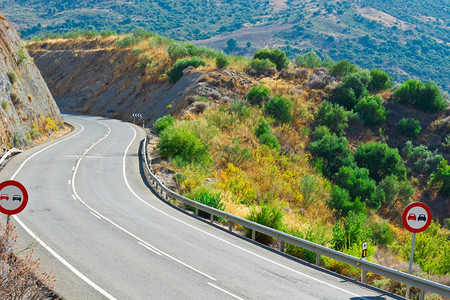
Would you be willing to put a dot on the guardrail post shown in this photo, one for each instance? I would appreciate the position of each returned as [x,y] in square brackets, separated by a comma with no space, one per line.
[282,246]
[363,276]
[196,211]
[230,226]
[318,259]
[421,294]
[253,234]
[211,218]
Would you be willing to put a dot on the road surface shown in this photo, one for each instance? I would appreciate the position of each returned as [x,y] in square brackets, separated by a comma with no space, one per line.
[105,235]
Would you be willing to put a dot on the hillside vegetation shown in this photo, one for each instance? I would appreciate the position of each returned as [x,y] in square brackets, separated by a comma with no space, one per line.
[408,38]
[324,150]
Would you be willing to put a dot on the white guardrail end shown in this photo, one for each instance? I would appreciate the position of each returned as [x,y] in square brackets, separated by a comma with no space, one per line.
[409,279]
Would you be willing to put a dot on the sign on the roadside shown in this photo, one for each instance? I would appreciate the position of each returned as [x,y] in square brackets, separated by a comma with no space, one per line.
[416,217]
[13,197]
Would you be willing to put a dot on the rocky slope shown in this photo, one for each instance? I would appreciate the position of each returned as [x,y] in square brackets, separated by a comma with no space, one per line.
[108,82]
[27,107]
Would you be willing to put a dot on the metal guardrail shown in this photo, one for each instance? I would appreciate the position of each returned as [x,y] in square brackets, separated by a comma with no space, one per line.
[9,153]
[409,279]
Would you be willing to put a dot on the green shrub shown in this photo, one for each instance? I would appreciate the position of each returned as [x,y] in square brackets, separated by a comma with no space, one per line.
[309,60]
[422,159]
[370,110]
[265,136]
[261,66]
[258,94]
[240,108]
[279,108]
[311,189]
[162,123]
[107,33]
[342,68]
[334,116]
[424,96]
[381,233]
[12,76]
[235,153]
[213,200]
[176,72]
[141,33]
[180,143]
[345,96]
[332,150]
[379,80]
[128,41]
[267,215]
[314,235]
[441,178]
[360,185]
[380,160]
[276,56]
[177,51]
[396,191]
[358,82]
[409,127]
[352,232]
[222,61]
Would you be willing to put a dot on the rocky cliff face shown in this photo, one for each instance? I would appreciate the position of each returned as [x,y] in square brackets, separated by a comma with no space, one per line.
[27,108]
[95,77]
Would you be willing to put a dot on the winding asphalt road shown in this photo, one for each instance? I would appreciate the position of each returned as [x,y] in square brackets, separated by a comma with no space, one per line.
[106,235]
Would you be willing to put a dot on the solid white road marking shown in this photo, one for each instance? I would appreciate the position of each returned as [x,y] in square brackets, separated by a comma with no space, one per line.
[95,215]
[150,248]
[225,291]
[42,243]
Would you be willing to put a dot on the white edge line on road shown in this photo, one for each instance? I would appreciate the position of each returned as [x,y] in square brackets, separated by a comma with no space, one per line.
[95,215]
[42,243]
[225,241]
[150,248]
[224,291]
[118,226]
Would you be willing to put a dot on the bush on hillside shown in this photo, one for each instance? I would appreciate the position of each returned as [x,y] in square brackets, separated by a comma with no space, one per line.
[353,231]
[334,116]
[379,80]
[341,201]
[268,215]
[441,178]
[370,110]
[182,144]
[409,127]
[333,151]
[342,68]
[310,60]
[162,123]
[424,96]
[279,108]
[396,192]
[221,61]
[380,160]
[261,66]
[422,159]
[265,136]
[276,56]
[176,72]
[258,94]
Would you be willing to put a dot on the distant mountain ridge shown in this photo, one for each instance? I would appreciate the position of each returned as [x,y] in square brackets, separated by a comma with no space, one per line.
[408,38]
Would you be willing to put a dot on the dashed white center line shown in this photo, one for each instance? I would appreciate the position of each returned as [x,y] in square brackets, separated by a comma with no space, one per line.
[224,291]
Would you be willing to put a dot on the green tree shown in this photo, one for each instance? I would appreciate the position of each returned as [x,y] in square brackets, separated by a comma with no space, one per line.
[341,201]
[232,44]
[176,72]
[334,116]
[370,110]
[380,160]
[276,56]
[279,108]
[258,94]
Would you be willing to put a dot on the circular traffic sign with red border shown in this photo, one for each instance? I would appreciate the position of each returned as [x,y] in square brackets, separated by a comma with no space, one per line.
[13,197]
[416,217]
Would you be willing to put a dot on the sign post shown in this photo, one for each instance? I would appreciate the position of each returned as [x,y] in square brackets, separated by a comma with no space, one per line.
[364,257]
[13,198]
[416,217]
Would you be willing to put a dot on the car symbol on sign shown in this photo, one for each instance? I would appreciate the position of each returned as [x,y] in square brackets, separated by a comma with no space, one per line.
[422,218]
[412,217]
[17,197]
[4,197]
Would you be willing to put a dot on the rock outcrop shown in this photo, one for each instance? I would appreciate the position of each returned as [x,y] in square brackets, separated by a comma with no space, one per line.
[27,108]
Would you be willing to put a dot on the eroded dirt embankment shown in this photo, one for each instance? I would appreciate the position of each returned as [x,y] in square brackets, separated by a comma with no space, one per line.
[94,77]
